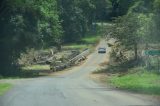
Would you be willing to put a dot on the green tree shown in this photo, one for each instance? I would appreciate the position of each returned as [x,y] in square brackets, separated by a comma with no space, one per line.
[74,22]
[139,25]
[121,7]
[156,27]
[125,30]
[103,9]
[24,24]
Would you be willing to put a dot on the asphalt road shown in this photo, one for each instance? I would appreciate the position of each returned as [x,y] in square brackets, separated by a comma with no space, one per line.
[71,89]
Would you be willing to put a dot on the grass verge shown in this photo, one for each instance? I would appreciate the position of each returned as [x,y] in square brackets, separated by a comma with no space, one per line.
[86,42]
[76,46]
[91,39]
[36,67]
[139,80]
[4,87]
[34,70]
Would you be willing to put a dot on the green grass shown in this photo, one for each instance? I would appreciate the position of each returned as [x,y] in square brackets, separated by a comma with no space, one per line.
[33,70]
[76,46]
[91,39]
[86,42]
[29,72]
[36,67]
[4,88]
[141,81]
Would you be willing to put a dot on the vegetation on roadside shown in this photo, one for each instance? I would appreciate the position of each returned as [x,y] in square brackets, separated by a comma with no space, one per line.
[34,70]
[43,24]
[76,46]
[135,32]
[86,42]
[91,39]
[36,67]
[4,87]
[137,79]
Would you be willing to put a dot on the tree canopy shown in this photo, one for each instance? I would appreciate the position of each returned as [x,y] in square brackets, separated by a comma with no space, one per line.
[43,23]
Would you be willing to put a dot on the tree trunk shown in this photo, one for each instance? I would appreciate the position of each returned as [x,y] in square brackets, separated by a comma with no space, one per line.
[59,47]
[136,51]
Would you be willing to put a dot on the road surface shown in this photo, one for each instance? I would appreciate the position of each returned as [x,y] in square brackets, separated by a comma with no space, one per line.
[71,89]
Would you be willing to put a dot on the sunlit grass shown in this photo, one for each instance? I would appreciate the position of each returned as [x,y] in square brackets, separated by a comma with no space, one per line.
[4,87]
[36,67]
[142,81]
[76,46]
[91,39]
[86,42]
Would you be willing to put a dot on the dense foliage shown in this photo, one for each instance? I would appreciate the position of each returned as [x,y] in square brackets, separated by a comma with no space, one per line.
[24,24]
[139,26]
[43,23]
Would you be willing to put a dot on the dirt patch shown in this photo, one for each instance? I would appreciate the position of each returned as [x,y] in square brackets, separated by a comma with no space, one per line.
[58,73]
[101,78]
[104,63]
